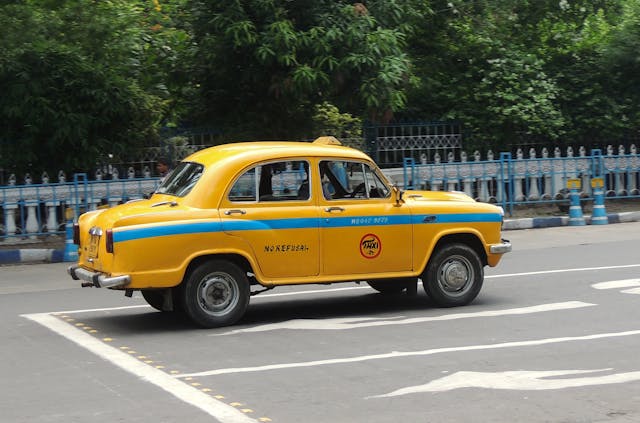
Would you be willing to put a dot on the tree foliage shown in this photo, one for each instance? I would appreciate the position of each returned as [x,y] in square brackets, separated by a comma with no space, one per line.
[78,82]
[537,71]
[85,78]
[264,64]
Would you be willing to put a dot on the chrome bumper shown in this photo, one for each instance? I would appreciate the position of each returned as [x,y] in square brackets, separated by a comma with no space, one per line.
[503,247]
[97,279]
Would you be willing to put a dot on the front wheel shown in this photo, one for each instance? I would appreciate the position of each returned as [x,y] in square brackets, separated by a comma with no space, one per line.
[216,293]
[453,276]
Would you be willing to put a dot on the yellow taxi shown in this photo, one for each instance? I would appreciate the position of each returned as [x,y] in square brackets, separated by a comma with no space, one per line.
[266,214]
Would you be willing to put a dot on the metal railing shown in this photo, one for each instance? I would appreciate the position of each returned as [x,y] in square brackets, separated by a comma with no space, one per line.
[38,210]
[517,181]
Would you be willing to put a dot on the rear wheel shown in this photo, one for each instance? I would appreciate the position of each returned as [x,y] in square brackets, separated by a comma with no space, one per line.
[154,297]
[216,293]
[392,286]
[453,276]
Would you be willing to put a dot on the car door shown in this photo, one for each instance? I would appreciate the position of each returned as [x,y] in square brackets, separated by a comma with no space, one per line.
[363,230]
[269,207]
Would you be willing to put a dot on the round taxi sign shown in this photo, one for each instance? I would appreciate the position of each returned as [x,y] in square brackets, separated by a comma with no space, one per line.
[370,246]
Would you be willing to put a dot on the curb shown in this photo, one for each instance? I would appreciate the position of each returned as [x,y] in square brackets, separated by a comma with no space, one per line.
[48,255]
[548,222]
[31,255]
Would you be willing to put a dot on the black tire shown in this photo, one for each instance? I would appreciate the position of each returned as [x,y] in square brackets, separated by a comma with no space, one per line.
[454,275]
[391,286]
[215,293]
[154,297]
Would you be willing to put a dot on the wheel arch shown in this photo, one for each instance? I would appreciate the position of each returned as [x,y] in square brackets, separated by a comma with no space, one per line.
[236,259]
[467,238]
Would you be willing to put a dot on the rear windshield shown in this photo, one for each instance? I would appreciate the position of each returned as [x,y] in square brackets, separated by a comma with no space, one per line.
[181,179]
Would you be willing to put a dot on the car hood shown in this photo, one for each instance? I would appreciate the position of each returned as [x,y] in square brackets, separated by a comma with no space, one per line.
[437,196]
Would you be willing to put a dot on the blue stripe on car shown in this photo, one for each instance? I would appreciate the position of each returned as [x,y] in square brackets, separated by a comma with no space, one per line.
[298,223]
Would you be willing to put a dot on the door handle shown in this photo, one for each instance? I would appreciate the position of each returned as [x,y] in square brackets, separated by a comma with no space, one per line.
[333,208]
[234,211]
[429,219]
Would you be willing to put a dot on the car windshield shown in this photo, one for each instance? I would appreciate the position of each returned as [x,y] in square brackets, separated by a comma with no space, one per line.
[181,179]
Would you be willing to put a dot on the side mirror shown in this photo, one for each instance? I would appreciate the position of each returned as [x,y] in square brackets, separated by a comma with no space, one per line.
[398,194]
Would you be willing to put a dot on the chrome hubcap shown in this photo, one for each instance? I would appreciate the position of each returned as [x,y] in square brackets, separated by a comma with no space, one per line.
[217,293]
[455,275]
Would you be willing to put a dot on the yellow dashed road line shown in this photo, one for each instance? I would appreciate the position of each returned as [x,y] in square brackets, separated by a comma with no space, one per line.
[145,359]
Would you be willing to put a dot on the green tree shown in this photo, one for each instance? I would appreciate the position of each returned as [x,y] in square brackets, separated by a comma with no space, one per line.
[517,71]
[263,65]
[80,79]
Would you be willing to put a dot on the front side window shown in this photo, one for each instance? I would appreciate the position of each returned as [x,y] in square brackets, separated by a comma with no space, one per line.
[181,180]
[343,179]
[275,181]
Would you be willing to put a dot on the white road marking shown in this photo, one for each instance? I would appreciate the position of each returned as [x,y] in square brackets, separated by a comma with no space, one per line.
[546,272]
[516,380]
[346,323]
[322,291]
[402,354]
[189,394]
[91,310]
[626,283]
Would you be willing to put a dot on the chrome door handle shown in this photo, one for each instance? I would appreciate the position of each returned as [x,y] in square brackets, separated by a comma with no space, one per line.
[334,208]
[234,211]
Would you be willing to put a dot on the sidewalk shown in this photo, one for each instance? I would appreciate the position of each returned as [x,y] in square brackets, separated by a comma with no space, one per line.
[30,254]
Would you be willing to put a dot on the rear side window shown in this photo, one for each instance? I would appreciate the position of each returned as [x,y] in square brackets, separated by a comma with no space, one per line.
[181,179]
[276,181]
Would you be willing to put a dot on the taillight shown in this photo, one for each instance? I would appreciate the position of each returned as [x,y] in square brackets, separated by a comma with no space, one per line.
[109,241]
[76,234]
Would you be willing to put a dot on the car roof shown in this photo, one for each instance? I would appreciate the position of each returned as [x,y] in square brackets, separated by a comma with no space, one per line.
[255,151]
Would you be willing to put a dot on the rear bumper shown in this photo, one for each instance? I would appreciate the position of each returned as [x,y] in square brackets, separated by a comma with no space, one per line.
[503,247]
[97,279]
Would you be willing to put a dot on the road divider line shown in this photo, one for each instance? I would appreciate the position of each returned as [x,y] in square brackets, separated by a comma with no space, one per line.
[625,283]
[347,323]
[546,272]
[189,394]
[403,354]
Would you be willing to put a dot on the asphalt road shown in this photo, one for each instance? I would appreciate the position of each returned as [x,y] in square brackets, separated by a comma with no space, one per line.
[553,337]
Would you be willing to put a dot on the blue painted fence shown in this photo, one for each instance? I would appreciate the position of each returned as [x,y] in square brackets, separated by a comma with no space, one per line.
[512,181]
[38,210]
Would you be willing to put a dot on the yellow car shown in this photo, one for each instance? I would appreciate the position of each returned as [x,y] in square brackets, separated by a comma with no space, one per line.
[284,213]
